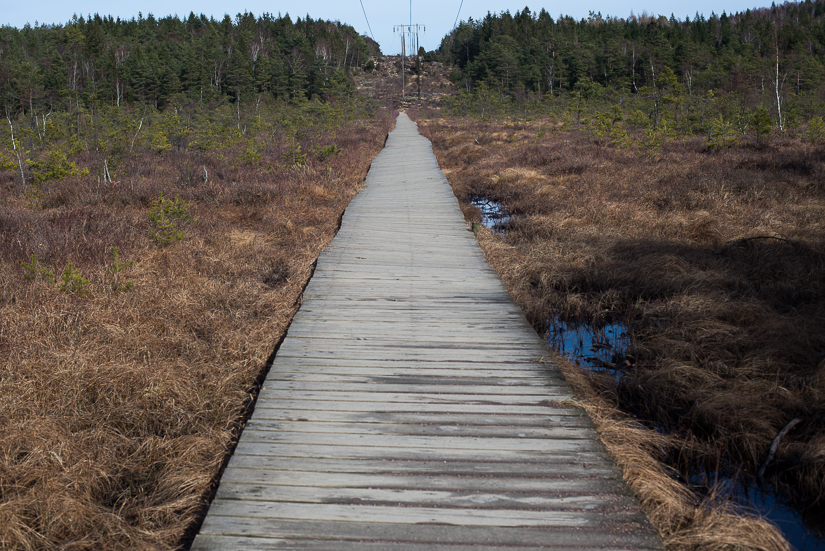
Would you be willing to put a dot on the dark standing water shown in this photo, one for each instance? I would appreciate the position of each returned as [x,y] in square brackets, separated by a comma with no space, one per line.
[749,497]
[788,520]
[494,215]
[605,349]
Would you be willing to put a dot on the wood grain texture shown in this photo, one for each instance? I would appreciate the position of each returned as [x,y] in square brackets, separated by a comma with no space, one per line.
[411,406]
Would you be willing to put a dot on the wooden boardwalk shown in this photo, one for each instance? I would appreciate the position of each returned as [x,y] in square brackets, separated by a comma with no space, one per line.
[411,406]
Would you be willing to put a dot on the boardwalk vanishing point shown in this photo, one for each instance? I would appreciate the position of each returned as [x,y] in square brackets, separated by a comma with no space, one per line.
[411,405]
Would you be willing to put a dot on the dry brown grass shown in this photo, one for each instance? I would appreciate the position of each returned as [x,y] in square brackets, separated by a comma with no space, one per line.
[684,521]
[118,409]
[715,261]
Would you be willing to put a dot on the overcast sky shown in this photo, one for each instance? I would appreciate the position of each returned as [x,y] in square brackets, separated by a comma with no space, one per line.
[437,16]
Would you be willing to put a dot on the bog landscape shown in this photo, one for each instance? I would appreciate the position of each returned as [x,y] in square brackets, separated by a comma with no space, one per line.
[652,186]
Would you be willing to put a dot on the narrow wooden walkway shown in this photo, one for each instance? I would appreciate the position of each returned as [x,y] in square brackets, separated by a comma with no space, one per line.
[411,406]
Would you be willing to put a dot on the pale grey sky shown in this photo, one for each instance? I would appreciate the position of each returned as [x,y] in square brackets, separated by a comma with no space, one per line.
[437,15]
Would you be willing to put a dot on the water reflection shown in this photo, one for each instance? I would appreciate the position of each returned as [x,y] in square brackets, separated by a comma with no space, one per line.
[494,215]
[601,348]
[766,503]
[788,520]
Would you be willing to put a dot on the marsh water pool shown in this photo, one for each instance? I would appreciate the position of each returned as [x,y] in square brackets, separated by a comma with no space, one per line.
[494,215]
[604,348]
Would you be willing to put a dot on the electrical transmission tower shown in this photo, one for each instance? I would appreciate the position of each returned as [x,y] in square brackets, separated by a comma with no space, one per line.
[410,31]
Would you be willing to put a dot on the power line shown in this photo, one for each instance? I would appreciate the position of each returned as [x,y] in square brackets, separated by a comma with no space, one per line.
[368,21]
[408,29]
[456,15]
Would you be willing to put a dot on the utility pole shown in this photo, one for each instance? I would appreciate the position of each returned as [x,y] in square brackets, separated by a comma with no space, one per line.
[403,56]
[408,30]
[417,64]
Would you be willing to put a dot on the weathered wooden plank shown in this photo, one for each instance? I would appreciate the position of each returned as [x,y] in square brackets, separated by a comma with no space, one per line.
[565,418]
[390,307]
[399,272]
[468,339]
[409,317]
[476,498]
[417,297]
[414,515]
[291,449]
[512,366]
[402,388]
[384,441]
[414,396]
[411,405]
[552,487]
[628,536]
[318,450]
[544,408]
[423,354]
[416,429]
[405,318]
[547,469]
[379,376]
[245,543]
[492,374]
[393,327]
[322,371]
[399,327]
[377,332]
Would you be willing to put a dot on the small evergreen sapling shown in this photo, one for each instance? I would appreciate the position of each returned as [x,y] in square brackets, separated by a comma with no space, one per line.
[73,281]
[721,134]
[293,157]
[168,219]
[117,266]
[761,122]
[328,151]
[34,271]
[816,131]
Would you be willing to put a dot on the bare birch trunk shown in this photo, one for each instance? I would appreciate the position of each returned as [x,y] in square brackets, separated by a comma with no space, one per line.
[776,83]
[16,151]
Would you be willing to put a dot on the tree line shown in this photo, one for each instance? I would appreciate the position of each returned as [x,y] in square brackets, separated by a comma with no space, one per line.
[101,60]
[771,59]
